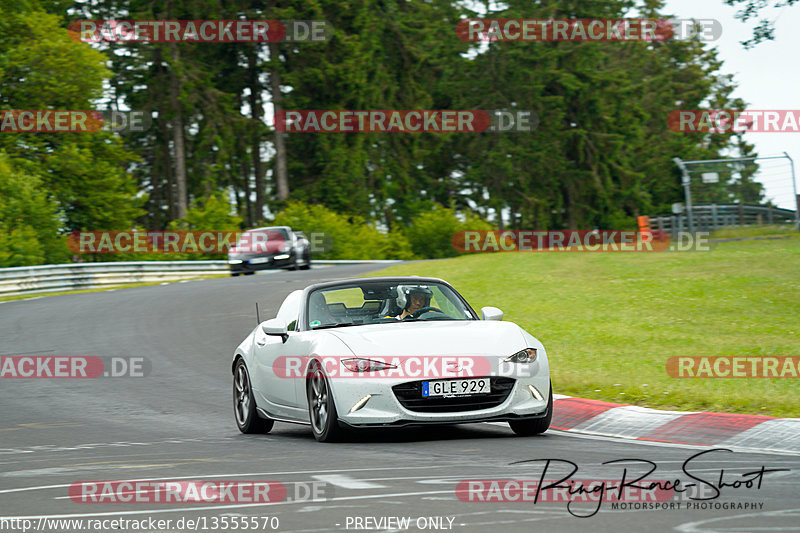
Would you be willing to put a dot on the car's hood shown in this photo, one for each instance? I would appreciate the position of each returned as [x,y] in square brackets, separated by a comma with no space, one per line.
[462,337]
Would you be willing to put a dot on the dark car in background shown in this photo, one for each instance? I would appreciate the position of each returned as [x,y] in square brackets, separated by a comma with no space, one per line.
[269,248]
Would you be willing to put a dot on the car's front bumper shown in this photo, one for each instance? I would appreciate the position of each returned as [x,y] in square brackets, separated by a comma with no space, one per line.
[385,409]
[261,262]
[405,423]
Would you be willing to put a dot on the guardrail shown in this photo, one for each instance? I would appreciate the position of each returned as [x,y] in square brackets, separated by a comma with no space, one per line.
[76,276]
[712,216]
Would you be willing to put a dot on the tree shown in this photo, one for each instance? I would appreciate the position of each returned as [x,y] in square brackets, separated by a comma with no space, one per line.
[85,173]
[29,220]
[601,154]
[750,9]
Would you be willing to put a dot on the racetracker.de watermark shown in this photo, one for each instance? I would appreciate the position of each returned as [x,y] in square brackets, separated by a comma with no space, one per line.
[587,30]
[72,367]
[733,366]
[193,242]
[405,367]
[552,490]
[734,121]
[406,121]
[475,241]
[197,491]
[72,121]
[200,31]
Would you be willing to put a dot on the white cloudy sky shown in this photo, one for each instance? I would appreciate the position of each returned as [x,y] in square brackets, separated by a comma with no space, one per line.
[767,77]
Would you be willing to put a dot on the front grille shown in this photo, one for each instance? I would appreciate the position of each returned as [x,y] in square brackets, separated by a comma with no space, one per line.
[410,396]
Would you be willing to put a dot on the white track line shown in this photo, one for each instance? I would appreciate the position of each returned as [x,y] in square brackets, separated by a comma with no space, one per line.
[347,482]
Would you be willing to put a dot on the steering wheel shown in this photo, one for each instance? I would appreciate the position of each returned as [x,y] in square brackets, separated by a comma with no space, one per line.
[416,314]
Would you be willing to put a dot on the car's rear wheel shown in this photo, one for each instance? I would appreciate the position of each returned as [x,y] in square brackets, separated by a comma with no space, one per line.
[536,426]
[244,405]
[321,409]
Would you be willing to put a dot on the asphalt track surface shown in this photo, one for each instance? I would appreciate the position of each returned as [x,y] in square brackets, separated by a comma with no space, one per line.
[177,423]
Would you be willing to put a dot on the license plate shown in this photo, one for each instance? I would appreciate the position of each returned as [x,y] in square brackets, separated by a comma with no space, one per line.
[259,260]
[455,387]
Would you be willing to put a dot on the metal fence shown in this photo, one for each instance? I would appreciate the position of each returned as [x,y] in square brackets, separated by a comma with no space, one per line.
[714,216]
[51,278]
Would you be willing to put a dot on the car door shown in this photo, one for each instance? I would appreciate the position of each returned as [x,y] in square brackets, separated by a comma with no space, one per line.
[273,380]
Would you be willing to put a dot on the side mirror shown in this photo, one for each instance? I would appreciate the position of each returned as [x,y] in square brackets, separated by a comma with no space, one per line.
[491,313]
[275,327]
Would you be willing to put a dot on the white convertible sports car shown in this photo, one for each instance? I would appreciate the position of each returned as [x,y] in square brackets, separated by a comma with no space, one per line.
[388,352]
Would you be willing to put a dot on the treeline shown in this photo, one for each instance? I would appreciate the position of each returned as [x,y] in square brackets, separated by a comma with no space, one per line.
[601,154]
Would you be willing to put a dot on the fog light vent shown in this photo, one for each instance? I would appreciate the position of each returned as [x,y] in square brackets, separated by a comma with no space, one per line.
[360,403]
[535,393]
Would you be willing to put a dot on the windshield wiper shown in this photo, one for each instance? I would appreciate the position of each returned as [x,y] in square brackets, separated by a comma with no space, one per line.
[329,326]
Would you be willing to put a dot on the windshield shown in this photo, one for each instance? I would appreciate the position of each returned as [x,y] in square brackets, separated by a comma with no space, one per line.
[269,240]
[263,234]
[390,303]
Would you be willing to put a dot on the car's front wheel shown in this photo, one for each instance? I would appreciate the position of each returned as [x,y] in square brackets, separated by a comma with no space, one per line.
[244,405]
[321,409]
[536,426]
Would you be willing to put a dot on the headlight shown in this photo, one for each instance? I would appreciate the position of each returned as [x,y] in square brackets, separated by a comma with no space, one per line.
[528,355]
[234,261]
[357,364]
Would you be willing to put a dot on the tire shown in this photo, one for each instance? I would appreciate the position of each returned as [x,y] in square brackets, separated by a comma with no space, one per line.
[526,428]
[249,273]
[321,408]
[244,405]
[307,263]
[234,274]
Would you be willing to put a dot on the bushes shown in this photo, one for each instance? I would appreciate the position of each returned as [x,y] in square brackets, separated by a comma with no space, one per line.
[29,228]
[431,233]
[213,213]
[29,221]
[208,214]
[351,237]
[337,236]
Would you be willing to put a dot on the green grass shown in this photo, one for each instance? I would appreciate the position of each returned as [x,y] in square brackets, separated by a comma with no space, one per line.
[744,232]
[610,321]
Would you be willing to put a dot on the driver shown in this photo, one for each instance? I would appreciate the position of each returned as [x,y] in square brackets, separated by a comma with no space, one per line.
[411,299]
